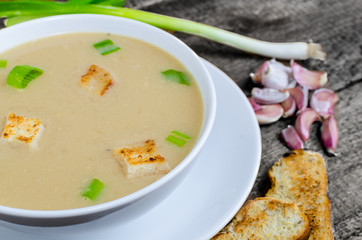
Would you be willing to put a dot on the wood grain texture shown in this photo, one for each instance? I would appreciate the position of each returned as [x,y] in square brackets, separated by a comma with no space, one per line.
[337,25]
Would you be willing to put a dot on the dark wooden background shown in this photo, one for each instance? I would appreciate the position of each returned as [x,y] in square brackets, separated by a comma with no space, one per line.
[337,25]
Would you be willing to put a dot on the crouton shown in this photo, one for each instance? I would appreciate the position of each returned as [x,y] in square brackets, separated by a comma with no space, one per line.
[141,160]
[97,80]
[22,129]
[267,218]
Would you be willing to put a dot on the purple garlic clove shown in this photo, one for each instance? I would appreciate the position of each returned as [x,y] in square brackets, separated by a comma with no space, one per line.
[289,107]
[272,74]
[330,134]
[258,75]
[277,76]
[254,105]
[305,96]
[269,113]
[304,121]
[307,78]
[268,95]
[300,97]
[292,138]
[323,101]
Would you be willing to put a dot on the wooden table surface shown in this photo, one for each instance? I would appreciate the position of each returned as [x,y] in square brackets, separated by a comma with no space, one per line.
[337,26]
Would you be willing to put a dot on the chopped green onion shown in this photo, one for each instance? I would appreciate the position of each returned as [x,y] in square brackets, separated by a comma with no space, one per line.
[3,63]
[93,190]
[176,76]
[21,75]
[106,47]
[178,139]
[184,136]
[179,142]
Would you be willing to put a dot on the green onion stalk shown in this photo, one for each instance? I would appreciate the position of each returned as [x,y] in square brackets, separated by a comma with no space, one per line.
[21,11]
[93,190]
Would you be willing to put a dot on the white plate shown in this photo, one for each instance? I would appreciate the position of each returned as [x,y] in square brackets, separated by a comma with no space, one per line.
[213,191]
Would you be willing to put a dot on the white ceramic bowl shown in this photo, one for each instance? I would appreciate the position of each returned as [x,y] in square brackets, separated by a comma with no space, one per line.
[13,36]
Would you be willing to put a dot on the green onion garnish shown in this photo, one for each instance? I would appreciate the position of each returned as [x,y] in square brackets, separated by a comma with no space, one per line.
[93,190]
[181,135]
[178,139]
[3,63]
[20,76]
[179,142]
[176,76]
[106,47]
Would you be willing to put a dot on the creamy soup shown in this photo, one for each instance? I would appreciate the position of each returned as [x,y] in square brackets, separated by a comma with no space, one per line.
[81,129]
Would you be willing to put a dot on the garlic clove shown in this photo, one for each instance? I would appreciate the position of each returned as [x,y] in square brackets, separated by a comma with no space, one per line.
[277,76]
[330,134]
[289,107]
[268,95]
[300,97]
[305,96]
[272,74]
[304,121]
[258,75]
[307,78]
[292,138]
[269,113]
[254,105]
[323,101]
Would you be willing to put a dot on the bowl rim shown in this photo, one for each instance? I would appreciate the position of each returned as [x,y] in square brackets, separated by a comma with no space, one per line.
[208,121]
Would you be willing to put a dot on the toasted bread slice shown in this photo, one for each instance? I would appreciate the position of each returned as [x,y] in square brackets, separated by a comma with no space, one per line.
[22,129]
[267,218]
[141,160]
[301,177]
[97,80]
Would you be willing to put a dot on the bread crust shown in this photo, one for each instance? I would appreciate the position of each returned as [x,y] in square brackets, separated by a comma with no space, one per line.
[302,178]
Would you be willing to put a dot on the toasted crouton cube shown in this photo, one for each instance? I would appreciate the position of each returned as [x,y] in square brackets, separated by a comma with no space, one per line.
[141,160]
[22,129]
[97,80]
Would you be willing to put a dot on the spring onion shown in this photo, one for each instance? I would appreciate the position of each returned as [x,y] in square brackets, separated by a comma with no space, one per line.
[176,76]
[21,75]
[179,139]
[179,142]
[93,189]
[3,63]
[20,11]
[106,47]
[184,136]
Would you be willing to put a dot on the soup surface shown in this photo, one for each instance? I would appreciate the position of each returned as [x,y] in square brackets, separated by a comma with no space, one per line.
[81,129]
